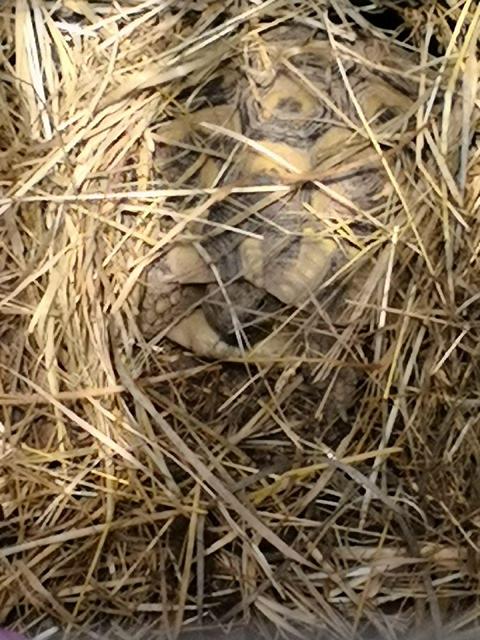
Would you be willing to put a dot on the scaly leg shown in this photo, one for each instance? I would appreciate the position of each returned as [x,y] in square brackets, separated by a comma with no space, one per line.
[169,295]
[164,291]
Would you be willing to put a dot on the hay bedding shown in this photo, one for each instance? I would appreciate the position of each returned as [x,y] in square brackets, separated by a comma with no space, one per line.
[145,487]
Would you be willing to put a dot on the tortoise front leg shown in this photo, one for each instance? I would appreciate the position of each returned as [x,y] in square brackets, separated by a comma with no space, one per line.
[165,291]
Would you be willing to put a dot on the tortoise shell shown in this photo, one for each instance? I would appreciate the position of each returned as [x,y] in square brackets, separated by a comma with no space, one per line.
[287,139]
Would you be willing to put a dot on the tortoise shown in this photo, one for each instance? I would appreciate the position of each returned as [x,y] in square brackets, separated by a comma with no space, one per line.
[299,187]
